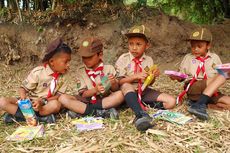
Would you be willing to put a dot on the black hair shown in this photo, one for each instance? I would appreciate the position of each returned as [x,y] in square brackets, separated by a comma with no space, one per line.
[62,48]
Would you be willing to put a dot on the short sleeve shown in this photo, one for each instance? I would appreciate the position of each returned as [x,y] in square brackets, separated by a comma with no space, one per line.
[120,68]
[183,65]
[112,70]
[80,84]
[31,82]
[217,60]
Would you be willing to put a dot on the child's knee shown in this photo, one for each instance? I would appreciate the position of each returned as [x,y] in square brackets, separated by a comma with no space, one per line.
[119,96]
[56,107]
[63,99]
[119,93]
[127,87]
[170,103]
[3,102]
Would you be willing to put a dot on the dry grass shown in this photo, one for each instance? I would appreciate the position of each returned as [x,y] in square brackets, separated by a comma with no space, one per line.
[120,136]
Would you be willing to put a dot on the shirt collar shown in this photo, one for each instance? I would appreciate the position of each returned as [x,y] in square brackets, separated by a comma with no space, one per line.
[142,57]
[90,69]
[208,54]
[49,70]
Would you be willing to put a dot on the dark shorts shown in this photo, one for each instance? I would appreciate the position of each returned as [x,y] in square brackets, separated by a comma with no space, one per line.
[149,97]
[87,100]
[197,89]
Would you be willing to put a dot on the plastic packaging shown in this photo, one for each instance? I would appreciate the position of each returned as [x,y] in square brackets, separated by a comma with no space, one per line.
[149,78]
[28,112]
[106,84]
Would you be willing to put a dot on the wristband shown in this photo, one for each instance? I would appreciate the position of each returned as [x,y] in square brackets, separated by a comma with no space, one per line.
[44,101]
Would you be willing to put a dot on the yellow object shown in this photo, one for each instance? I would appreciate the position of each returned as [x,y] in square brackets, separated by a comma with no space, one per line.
[150,77]
[24,133]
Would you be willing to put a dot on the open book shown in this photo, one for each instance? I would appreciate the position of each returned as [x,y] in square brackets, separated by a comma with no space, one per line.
[174,117]
[88,123]
[224,69]
[175,73]
[24,133]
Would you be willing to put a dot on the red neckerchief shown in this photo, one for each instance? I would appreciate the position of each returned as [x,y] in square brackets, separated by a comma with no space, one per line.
[53,83]
[138,68]
[200,67]
[92,75]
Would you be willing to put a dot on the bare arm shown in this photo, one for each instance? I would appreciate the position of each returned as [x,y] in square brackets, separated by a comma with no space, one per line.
[176,78]
[127,79]
[54,97]
[134,77]
[89,92]
[114,83]
[22,93]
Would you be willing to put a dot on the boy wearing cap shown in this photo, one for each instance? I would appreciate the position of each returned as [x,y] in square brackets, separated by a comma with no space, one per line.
[43,86]
[131,71]
[93,95]
[200,67]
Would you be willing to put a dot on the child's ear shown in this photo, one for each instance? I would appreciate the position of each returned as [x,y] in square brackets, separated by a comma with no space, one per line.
[51,61]
[101,55]
[148,45]
[209,46]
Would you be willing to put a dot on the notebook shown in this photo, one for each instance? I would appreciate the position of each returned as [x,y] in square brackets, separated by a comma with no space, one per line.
[173,117]
[88,123]
[224,69]
[25,133]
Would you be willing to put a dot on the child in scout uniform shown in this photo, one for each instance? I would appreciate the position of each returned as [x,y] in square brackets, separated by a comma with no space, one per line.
[200,67]
[131,68]
[43,86]
[94,94]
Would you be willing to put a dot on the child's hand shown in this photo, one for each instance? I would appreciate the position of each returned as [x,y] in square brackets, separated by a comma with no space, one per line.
[176,78]
[100,88]
[141,75]
[112,79]
[156,72]
[37,104]
[23,97]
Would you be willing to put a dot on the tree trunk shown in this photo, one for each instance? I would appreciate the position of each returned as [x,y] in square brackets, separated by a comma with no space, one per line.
[53,4]
[19,11]
[45,4]
[226,8]
[25,4]
[2,3]
[12,5]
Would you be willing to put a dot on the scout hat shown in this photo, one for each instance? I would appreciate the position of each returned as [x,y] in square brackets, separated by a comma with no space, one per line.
[90,46]
[51,48]
[201,34]
[54,45]
[138,31]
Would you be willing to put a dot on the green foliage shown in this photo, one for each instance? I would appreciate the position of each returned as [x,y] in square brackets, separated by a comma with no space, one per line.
[196,11]
[3,12]
[71,1]
[40,29]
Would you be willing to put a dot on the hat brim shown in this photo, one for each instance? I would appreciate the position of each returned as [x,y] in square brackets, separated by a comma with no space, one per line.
[190,39]
[136,35]
[85,53]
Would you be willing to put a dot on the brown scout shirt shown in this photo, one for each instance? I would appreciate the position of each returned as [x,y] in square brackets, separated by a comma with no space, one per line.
[83,80]
[190,64]
[38,82]
[125,65]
